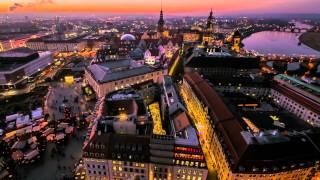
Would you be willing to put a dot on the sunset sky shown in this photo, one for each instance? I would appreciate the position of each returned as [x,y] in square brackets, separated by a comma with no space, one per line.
[153,6]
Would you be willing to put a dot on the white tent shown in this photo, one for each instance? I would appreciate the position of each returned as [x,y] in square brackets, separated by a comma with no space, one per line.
[12,117]
[22,120]
[60,136]
[30,155]
[37,114]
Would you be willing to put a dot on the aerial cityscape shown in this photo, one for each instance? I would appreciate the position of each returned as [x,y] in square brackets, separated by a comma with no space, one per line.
[159,90]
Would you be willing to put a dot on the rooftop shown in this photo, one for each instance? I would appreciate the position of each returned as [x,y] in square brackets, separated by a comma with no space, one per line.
[17,53]
[249,151]
[213,57]
[315,90]
[118,147]
[260,114]
[12,59]
[125,101]
[116,70]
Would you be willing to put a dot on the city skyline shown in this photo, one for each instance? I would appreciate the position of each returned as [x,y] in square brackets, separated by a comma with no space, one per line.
[173,7]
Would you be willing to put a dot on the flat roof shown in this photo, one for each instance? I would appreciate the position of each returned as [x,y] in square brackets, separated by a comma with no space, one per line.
[269,120]
[12,59]
[300,84]
[264,116]
[113,71]
[17,53]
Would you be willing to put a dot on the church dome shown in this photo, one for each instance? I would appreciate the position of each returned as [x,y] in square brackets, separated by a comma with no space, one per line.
[128,37]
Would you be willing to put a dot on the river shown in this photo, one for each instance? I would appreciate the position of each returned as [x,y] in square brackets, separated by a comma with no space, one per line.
[273,42]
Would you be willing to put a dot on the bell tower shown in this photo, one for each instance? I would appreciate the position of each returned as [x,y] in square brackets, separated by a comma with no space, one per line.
[207,37]
[161,22]
[236,41]
[210,22]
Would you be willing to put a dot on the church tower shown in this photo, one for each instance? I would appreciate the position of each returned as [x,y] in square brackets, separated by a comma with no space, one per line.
[210,22]
[162,33]
[236,41]
[207,37]
[161,22]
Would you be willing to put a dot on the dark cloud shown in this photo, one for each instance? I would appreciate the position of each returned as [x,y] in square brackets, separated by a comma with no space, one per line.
[15,6]
[18,5]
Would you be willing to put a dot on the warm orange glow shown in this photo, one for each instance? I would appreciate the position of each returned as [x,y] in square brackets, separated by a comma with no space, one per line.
[147,6]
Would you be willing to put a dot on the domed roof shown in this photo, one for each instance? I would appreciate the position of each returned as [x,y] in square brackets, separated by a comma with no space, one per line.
[128,37]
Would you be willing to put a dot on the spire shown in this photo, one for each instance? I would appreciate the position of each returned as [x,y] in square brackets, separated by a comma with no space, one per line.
[161,21]
[210,21]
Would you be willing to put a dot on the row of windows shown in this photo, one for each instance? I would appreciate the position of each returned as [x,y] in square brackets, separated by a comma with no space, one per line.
[97,155]
[190,163]
[126,175]
[97,146]
[160,176]
[96,166]
[136,78]
[189,177]
[100,173]
[189,172]
[299,110]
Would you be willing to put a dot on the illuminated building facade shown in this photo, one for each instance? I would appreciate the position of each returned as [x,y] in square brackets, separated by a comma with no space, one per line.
[57,43]
[115,75]
[17,65]
[127,44]
[297,97]
[122,146]
[236,41]
[238,153]
[191,37]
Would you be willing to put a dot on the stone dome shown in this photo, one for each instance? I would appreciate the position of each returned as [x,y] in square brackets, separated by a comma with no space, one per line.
[127,37]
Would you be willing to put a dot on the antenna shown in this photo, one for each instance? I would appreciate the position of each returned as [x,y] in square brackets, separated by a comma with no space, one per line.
[161,5]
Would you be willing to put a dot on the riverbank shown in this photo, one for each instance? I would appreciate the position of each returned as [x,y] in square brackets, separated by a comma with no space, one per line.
[248,32]
[274,42]
[311,39]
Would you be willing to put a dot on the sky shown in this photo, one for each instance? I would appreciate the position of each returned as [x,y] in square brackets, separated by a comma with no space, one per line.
[153,6]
